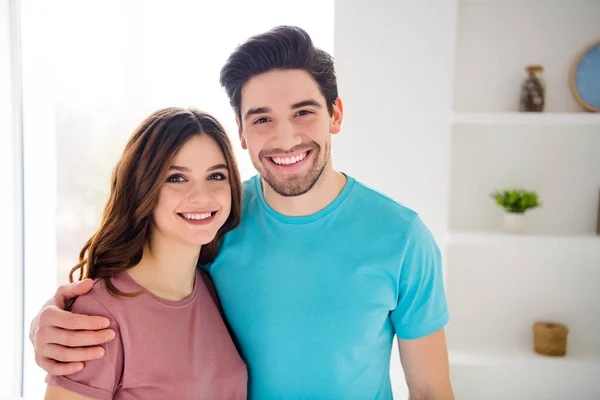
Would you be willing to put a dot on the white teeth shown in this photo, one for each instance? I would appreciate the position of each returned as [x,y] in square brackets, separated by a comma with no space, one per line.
[289,160]
[197,216]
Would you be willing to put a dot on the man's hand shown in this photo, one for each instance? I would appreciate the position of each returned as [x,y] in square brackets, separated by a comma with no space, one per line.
[425,364]
[63,340]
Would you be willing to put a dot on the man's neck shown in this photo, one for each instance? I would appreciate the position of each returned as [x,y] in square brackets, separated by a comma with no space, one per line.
[323,193]
[167,268]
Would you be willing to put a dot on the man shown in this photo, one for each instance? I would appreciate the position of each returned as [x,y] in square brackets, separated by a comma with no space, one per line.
[322,271]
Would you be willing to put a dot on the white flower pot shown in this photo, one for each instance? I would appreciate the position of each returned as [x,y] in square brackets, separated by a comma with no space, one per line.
[514,222]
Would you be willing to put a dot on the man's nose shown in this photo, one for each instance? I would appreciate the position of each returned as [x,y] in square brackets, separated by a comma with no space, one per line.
[286,136]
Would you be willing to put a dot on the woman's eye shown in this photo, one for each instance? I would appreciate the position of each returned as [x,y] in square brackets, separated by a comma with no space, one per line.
[219,176]
[176,178]
[261,120]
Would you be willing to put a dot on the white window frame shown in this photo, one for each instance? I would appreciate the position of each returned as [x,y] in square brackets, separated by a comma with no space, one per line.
[39,180]
[11,201]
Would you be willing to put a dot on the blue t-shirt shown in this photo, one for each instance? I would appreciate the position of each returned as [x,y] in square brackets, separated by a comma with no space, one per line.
[314,301]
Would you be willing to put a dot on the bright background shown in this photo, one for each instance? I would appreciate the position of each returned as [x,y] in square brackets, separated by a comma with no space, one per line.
[430,91]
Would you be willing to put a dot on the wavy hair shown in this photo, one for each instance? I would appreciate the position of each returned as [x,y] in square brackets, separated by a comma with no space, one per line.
[136,182]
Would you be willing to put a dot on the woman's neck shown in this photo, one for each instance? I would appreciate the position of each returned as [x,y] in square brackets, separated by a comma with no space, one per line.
[167,268]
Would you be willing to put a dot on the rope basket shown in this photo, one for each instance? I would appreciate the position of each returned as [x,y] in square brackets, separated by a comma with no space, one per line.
[550,338]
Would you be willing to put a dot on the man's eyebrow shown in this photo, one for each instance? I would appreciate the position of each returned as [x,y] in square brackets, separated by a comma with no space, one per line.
[304,103]
[257,110]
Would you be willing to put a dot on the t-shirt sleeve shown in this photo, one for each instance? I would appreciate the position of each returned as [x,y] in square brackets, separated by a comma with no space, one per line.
[422,308]
[99,378]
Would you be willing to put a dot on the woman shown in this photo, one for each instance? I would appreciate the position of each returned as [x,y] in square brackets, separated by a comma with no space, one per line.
[175,192]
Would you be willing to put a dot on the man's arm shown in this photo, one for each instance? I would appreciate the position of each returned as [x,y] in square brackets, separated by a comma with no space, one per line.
[63,340]
[58,393]
[425,364]
[420,317]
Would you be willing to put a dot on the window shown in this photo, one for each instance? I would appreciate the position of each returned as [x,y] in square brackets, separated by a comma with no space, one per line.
[11,286]
[91,72]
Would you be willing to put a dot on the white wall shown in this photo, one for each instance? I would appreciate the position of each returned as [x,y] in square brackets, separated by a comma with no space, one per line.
[560,163]
[10,284]
[497,39]
[395,63]
[501,284]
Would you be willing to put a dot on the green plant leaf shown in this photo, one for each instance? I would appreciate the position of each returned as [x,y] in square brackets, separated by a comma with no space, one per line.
[516,200]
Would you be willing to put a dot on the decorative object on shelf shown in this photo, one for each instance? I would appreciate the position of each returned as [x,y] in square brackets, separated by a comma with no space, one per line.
[533,90]
[585,78]
[515,203]
[550,338]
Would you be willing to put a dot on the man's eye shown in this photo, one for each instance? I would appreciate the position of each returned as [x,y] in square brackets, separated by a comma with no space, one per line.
[176,178]
[261,120]
[219,176]
[304,112]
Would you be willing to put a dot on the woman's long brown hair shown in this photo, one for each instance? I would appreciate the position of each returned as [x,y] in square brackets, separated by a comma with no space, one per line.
[136,182]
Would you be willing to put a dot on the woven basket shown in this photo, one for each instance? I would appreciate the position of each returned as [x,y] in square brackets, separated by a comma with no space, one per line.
[550,338]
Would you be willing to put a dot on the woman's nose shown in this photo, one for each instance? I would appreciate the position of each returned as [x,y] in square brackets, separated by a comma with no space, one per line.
[199,194]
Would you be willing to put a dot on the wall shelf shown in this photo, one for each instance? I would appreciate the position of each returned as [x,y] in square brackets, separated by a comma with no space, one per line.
[499,373]
[483,354]
[482,237]
[507,1]
[497,282]
[518,118]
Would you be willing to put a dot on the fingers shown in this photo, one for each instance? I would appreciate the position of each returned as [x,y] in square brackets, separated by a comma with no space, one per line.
[57,368]
[53,316]
[68,338]
[68,354]
[63,340]
[69,291]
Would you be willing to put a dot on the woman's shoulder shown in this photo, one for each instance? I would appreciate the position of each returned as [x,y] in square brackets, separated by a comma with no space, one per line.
[99,301]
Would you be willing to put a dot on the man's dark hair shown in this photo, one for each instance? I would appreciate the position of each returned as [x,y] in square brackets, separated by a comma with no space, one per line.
[285,48]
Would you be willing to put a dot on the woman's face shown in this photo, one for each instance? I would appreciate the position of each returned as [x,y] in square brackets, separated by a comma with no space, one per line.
[195,199]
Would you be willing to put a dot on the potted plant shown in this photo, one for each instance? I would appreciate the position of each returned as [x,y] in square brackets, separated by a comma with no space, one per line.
[515,202]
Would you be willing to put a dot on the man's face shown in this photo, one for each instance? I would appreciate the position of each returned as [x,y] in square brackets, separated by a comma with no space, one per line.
[286,128]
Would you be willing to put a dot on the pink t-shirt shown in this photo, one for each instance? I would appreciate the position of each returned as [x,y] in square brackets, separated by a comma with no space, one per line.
[162,350]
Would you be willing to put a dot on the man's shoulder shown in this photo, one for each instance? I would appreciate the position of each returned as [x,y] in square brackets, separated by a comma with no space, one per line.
[249,189]
[249,185]
[383,205]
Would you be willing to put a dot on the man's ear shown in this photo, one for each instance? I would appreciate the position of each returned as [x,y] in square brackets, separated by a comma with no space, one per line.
[241,134]
[337,116]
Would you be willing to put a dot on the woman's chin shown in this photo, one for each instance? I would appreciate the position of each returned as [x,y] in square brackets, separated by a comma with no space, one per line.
[198,240]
